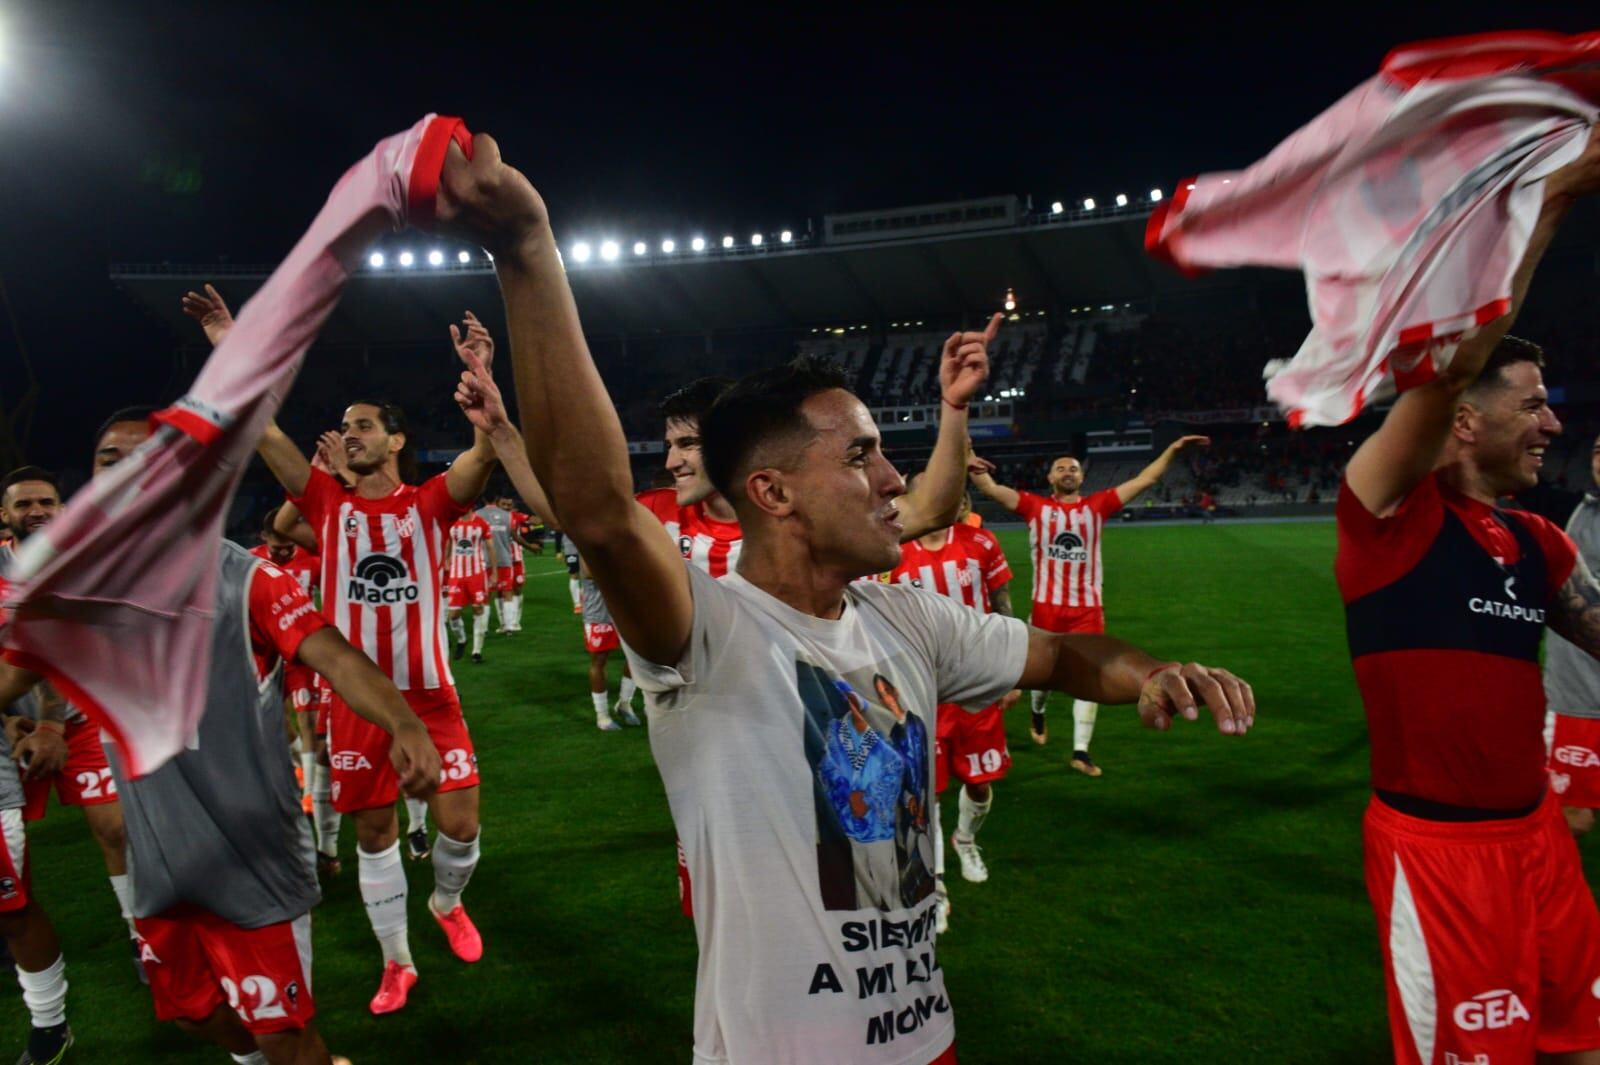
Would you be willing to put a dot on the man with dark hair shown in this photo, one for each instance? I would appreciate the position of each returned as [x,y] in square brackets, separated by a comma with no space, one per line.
[383,543]
[1490,937]
[1064,530]
[743,673]
[80,775]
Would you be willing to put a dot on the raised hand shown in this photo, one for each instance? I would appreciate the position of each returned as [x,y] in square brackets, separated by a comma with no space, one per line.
[211,311]
[478,396]
[964,364]
[487,201]
[1188,441]
[331,458]
[473,335]
[1179,690]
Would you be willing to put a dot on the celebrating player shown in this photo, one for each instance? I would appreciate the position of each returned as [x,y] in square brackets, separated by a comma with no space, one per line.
[1064,531]
[472,560]
[744,673]
[29,500]
[504,524]
[1490,937]
[965,564]
[299,684]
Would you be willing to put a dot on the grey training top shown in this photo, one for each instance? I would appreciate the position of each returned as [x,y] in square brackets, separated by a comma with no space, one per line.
[1572,676]
[500,523]
[594,605]
[219,826]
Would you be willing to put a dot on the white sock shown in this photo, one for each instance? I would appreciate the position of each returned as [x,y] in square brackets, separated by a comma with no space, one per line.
[458,629]
[453,863]
[326,816]
[45,994]
[1083,715]
[259,1057]
[500,613]
[625,694]
[416,815]
[938,852]
[383,889]
[308,768]
[600,708]
[970,819]
[124,892]
[516,612]
[480,628]
[572,586]
[1039,699]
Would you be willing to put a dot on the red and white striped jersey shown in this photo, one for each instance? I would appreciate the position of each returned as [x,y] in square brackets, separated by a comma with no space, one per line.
[712,546]
[520,523]
[967,568]
[469,555]
[1065,538]
[304,566]
[382,564]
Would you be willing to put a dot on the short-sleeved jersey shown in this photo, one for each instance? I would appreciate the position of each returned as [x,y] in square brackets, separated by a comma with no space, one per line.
[521,524]
[382,566]
[501,523]
[1065,539]
[1571,674]
[1445,605]
[797,755]
[967,568]
[304,566]
[711,545]
[469,539]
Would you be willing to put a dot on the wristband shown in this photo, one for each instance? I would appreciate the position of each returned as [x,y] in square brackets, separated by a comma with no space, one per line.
[952,406]
[1153,672]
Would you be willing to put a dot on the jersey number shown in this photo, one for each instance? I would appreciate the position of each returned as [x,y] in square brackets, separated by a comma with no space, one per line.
[263,990]
[95,785]
[457,764]
[987,762]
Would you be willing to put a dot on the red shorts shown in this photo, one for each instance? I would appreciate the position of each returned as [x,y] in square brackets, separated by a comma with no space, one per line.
[299,687]
[505,578]
[597,638]
[467,591]
[1068,618]
[519,576]
[84,781]
[1575,761]
[358,751]
[970,747]
[1490,937]
[13,862]
[196,961]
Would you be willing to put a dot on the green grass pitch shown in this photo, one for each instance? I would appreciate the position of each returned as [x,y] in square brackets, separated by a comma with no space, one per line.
[1201,902]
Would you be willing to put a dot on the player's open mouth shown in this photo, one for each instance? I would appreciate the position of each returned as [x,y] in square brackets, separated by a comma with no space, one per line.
[1538,455]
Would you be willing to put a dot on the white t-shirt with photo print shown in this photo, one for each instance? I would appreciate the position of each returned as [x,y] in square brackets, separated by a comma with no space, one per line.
[797,755]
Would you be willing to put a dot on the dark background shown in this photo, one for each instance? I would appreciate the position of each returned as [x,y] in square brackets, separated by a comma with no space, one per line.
[196,133]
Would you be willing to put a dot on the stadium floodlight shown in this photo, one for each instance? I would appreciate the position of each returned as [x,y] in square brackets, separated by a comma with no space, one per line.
[669,246]
[756,239]
[727,242]
[785,237]
[609,250]
[1122,201]
[581,251]
[1057,207]
[375,260]
[1155,195]
[406,258]
[698,244]
[436,257]
[463,257]
[640,247]
[1088,205]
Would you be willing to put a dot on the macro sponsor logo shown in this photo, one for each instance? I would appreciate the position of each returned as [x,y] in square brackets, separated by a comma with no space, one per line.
[1067,547]
[1493,1010]
[349,760]
[1573,755]
[382,579]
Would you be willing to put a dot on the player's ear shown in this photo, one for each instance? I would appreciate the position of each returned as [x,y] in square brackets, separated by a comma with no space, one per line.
[767,489]
[1464,425]
[399,442]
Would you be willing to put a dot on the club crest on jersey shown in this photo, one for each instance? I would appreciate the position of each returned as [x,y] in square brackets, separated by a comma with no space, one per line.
[382,579]
[8,888]
[1067,547]
[685,546]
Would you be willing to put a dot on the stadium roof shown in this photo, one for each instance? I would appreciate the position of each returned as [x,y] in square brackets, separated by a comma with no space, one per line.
[1051,261]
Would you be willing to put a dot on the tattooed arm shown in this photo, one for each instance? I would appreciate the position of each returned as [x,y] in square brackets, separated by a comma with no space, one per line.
[1575,612]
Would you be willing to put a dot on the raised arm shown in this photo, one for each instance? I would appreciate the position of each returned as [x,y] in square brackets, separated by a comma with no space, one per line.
[1104,669]
[1391,462]
[283,458]
[982,472]
[373,696]
[1131,489]
[211,311]
[469,474]
[576,447]
[936,498]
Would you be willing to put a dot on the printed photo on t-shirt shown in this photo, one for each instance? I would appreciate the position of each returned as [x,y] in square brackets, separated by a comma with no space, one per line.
[869,755]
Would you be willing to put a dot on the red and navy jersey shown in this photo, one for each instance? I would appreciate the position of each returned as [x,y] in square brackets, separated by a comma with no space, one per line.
[1445,605]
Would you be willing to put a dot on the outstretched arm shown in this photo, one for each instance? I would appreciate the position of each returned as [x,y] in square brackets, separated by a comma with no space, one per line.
[284,459]
[983,476]
[936,499]
[576,447]
[469,474]
[1104,669]
[1131,489]
[480,400]
[1393,460]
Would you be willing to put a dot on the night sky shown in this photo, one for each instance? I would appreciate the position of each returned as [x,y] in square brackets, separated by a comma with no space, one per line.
[148,132]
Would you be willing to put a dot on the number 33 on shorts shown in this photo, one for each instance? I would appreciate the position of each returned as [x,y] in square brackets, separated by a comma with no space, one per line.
[459,763]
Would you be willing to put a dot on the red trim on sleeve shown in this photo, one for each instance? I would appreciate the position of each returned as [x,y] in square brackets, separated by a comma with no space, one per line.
[1105,502]
[1029,504]
[189,424]
[423,187]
